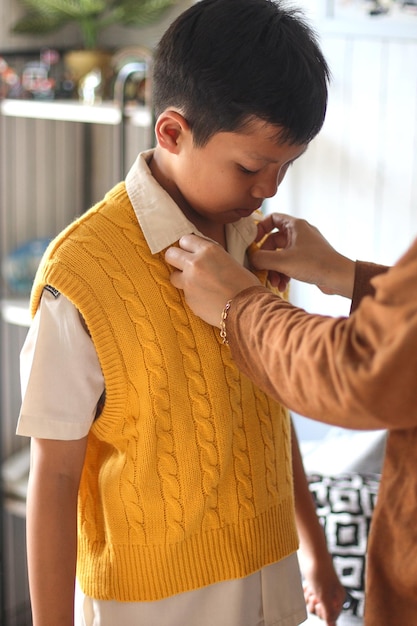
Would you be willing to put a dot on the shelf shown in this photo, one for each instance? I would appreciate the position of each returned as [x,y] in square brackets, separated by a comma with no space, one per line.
[74,111]
[14,481]
[14,506]
[16,312]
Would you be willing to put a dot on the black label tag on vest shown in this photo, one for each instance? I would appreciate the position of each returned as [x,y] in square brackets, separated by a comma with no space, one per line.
[52,290]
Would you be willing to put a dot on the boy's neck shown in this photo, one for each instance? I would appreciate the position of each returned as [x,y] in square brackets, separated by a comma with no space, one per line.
[214,230]
[209,228]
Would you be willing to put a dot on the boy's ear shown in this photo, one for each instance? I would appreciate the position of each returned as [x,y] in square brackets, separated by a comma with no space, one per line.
[170,129]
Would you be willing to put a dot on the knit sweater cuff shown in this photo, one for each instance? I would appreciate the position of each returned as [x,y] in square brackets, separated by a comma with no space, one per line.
[364,272]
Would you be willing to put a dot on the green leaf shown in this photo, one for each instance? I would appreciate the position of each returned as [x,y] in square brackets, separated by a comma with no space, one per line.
[74,9]
[145,12]
[37,24]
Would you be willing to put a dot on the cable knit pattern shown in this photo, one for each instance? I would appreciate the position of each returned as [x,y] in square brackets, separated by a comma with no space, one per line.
[187,478]
[196,389]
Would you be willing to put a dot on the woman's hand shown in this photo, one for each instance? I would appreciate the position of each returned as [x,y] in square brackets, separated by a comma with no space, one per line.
[208,275]
[298,250]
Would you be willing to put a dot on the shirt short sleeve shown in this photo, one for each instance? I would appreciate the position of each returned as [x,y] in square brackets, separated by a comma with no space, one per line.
[61,378]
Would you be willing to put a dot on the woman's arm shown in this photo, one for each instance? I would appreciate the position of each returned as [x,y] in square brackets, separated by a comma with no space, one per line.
[55,473]
[357,372]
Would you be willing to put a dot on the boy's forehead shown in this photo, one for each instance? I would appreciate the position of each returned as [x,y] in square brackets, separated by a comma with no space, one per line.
[261,142]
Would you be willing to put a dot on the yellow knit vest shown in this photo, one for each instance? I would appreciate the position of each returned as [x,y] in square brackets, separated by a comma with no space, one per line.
[187,479]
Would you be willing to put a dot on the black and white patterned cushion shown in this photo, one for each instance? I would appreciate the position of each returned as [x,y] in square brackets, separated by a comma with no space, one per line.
[345,504]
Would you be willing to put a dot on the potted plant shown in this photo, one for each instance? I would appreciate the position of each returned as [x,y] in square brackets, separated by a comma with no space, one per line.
[91,16]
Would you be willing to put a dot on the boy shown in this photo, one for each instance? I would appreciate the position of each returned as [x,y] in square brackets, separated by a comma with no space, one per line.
[181,467]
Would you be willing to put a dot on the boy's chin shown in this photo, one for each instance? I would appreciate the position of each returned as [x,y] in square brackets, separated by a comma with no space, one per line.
[245,212]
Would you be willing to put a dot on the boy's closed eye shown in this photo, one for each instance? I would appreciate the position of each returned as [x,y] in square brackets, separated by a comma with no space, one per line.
[246,170]
[249,171]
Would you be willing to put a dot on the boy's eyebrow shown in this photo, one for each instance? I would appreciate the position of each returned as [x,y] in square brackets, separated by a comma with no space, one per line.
[261,157]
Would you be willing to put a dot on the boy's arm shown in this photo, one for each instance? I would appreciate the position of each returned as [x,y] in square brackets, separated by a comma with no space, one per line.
[323,591]
[55,473]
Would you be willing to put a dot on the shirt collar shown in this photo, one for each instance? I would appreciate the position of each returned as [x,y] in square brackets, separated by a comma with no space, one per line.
[163,222]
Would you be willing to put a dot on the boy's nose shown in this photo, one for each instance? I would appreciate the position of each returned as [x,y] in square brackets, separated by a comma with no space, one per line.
[266,188]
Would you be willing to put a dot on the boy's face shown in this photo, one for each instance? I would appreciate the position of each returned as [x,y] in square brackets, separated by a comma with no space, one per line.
[231,175]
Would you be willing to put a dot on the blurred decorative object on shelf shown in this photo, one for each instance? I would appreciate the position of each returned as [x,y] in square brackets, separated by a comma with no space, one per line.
[35,81]
[91,17]
[9,79]
[136,85]
[39,75]
[130,87]
[90,88]
[409,5]
[86,66]
[19,267]
[347,9]
[379,8]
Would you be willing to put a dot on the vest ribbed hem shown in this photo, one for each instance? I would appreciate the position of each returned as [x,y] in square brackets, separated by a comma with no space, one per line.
[134,573]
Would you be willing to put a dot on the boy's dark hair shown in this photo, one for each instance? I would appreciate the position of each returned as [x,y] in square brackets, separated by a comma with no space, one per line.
[224,62]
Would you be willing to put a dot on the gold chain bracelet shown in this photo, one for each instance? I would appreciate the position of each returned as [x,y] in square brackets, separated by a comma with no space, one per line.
[223,319]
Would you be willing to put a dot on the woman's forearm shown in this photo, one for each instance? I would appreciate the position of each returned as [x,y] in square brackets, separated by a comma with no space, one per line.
[357,372]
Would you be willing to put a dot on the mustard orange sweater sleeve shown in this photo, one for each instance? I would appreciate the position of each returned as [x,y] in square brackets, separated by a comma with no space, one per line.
[356,372]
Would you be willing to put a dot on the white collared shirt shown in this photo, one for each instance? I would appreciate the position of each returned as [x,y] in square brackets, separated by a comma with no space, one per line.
[58,349]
